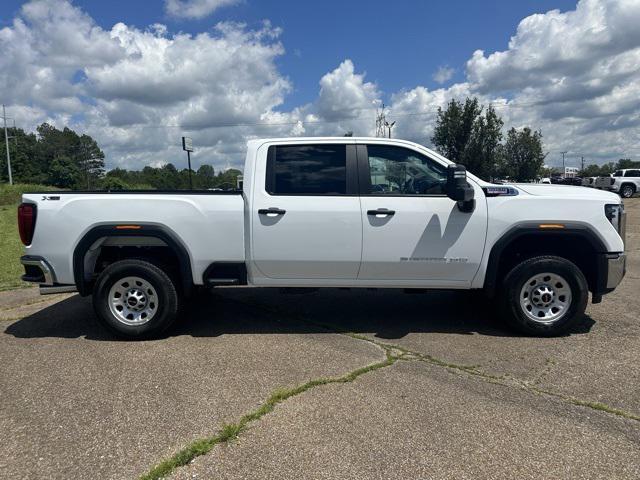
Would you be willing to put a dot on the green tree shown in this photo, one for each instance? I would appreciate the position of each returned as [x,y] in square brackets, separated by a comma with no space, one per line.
[63,172]
[592,170]
[454,127]
[205,177]
[482,154]
[625,163]
[112,183]
[90,160]
[465,135]
[228,180]
[523,155]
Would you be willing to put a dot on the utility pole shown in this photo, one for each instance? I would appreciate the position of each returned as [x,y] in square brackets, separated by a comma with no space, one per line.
[389,126]
[564,171]
[582,164]
[187,146]
[6,141]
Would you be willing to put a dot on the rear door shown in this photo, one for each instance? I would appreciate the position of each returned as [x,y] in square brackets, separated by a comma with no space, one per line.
[306,220]
[413,233]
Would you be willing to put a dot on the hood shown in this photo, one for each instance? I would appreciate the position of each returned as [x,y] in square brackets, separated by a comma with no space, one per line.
[568,191]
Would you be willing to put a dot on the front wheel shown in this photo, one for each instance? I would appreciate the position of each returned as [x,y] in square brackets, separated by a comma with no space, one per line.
[135,299]
[544,296]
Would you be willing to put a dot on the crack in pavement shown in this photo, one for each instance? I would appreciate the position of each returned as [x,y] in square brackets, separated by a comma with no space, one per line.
[506,380]
[230,432]
[393,353]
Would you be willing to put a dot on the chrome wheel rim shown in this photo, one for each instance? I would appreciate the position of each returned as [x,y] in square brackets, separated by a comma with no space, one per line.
[133,301]
[545,298]
[627,192]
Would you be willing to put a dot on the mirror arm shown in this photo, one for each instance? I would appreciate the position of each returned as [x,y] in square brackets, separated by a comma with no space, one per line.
[468,206]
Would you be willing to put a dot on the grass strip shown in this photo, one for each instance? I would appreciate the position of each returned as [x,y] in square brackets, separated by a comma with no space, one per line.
[601,407]
[230,432]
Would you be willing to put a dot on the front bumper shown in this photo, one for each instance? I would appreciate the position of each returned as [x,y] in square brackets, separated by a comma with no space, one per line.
[616,269]
[611,268]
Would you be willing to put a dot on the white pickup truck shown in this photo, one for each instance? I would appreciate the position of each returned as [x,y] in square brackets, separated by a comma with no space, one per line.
[330,212]
[625,182]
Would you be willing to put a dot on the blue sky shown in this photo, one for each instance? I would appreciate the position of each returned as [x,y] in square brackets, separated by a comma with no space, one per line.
[398,44]
[136,75]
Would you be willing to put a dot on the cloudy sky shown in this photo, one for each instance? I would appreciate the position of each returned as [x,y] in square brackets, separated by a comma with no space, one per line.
[136,75]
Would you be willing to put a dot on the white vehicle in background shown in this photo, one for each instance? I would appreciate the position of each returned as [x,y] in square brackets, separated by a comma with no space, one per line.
[625,182]
[330,212]
[589,181]
[546,181]
[603,182]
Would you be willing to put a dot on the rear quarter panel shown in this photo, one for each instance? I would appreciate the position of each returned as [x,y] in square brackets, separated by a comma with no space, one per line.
[210,227]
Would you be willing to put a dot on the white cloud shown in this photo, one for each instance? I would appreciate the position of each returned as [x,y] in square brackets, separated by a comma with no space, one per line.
[443,74]
[574,75]
[195,8]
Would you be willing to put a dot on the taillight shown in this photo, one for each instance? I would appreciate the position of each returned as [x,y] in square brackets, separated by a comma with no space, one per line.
[26,222]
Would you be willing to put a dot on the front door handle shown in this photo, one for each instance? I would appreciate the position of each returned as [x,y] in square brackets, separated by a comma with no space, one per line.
[273,211]
[381,211]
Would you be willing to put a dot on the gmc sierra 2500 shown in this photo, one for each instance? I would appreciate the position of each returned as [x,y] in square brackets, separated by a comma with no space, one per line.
[330,212]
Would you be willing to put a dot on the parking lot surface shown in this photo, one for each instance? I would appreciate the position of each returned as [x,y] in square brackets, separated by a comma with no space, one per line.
[453,393]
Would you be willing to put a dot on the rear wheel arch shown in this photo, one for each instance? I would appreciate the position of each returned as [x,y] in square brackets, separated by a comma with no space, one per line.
[98,234]
[577,243]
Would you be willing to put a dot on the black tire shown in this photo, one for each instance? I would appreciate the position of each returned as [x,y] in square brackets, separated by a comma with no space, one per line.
[627,190]
[164,300]
[570,314]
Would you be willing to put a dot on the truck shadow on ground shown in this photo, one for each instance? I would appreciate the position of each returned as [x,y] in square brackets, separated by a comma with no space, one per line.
[388,314]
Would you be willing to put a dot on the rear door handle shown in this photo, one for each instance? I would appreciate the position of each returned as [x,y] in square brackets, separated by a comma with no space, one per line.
[381,211]
[271,211]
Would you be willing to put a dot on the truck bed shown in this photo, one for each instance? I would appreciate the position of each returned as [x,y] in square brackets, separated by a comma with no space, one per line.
[209,224]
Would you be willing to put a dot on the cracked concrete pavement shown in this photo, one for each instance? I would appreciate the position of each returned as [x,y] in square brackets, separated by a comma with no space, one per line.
[78,404]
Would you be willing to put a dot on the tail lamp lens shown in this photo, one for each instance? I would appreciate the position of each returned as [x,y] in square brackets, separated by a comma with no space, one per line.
[26,222]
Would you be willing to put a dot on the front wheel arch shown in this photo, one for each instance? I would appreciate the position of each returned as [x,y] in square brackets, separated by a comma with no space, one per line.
[528,240]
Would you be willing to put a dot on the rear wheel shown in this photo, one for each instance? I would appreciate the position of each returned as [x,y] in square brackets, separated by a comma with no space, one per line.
[544,296]
[135,299]
[627,191]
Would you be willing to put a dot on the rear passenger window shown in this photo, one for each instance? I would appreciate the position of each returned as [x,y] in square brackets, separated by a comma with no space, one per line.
[632,173]
[307,170]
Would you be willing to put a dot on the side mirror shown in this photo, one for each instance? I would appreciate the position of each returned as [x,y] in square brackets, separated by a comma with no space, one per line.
[458,189]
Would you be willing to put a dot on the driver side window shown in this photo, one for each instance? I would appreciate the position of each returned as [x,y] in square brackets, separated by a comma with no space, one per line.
[401,171]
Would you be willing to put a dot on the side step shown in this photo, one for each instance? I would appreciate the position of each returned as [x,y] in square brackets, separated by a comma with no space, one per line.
[225,274]
[221,282]
[51,289]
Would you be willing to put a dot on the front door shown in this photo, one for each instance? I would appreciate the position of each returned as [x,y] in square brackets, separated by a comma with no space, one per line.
[412,232]
[305,216]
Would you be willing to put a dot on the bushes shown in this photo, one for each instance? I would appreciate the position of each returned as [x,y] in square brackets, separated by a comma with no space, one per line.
[12,194]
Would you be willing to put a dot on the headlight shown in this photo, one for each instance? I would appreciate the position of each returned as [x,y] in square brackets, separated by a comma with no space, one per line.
[615,215]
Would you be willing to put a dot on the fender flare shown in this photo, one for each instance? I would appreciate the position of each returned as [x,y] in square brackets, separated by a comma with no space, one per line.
[491,279]
[141,230]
